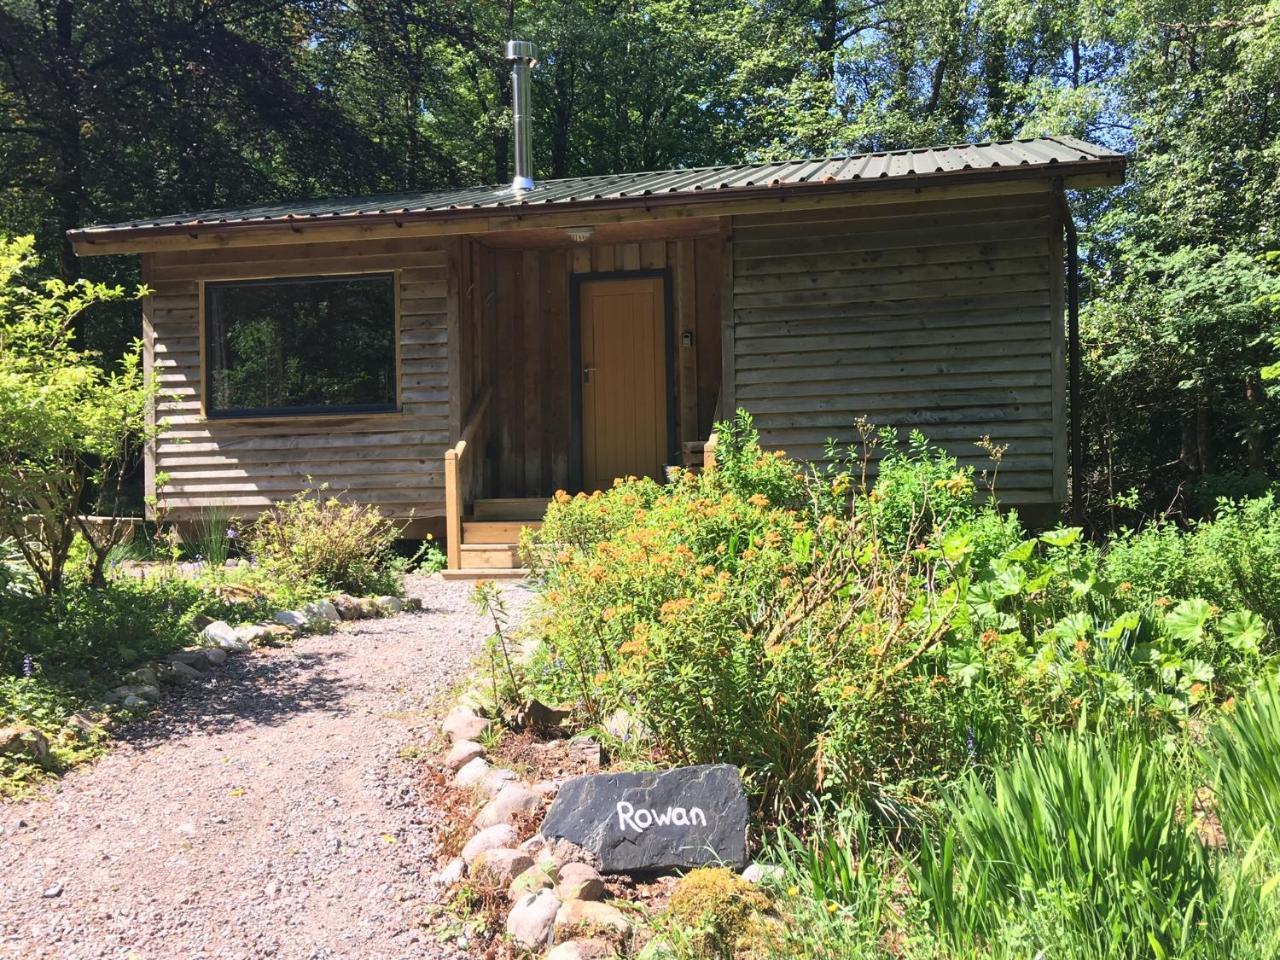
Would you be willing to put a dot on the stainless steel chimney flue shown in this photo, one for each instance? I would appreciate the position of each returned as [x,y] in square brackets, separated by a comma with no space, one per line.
[522,56]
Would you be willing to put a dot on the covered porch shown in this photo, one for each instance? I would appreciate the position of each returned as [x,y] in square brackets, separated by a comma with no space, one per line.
[582,354]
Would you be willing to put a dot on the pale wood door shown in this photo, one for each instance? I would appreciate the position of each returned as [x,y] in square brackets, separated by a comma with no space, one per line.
[624,379]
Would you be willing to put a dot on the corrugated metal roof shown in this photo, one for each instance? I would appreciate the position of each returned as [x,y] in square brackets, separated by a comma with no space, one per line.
[1014,156]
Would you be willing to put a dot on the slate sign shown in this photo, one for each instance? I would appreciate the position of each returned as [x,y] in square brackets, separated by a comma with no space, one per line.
[655,821]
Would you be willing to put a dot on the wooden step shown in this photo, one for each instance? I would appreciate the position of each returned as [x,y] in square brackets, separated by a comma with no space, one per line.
[510,508]
[489,555]
[491,573]
[495,531]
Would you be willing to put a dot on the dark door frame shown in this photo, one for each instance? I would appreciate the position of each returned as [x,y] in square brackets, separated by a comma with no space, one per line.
[576,281]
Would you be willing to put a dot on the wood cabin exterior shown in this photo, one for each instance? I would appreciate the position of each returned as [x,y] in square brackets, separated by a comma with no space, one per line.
[557,337]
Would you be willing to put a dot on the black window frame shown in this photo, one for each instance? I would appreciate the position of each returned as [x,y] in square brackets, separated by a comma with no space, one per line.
[244,413]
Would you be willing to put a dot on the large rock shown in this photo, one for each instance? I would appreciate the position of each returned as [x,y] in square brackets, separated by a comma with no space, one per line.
[142,676]
[146,692]
[464,724]
[214,656]
[532,919]
[462,753]
[653,822]
[390,606]
[221,634]
[541,876]
[491,838]
[179,674]
[24,742]
[500,866]
[321,610]
[510,802]
[348,607]
[579,917]
[580,881]
[291,618]
[471,772]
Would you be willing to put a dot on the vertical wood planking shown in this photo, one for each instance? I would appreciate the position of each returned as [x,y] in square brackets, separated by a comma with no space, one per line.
[557,426]
[686,328]
[535,345]
[459,392]
[707,330]
[728,401]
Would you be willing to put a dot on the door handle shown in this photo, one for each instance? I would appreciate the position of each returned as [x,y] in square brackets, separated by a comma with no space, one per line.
[586,374]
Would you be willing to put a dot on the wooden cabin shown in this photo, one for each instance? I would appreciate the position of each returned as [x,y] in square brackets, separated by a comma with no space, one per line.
[457,357]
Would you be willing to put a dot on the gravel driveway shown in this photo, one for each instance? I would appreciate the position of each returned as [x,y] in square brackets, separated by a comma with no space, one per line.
[271,813]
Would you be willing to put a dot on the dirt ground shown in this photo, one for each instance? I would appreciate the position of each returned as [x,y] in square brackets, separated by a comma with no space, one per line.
[271,812]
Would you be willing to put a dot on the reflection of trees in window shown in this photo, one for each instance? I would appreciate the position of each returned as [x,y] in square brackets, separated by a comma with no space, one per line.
[300,345]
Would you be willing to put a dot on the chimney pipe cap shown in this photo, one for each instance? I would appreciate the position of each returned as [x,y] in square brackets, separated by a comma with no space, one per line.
[518,50]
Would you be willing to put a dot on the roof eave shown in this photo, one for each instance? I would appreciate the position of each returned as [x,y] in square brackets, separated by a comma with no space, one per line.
[1082,174]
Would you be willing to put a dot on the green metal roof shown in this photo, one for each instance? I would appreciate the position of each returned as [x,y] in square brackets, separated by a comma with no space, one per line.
[1048,156]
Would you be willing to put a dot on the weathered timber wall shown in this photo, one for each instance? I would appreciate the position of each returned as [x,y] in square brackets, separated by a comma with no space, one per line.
[519,304]
[940,314]
[394,460]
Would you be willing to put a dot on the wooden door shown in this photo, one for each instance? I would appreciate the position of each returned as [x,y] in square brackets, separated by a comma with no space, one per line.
[624,379]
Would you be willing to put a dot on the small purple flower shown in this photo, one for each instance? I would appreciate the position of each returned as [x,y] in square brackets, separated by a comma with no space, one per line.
[28,666]
[232,533]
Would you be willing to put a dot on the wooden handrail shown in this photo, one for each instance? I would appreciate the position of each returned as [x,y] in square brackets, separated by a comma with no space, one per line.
[454,489]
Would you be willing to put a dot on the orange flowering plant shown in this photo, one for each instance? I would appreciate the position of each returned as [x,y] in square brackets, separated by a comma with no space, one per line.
[839,636]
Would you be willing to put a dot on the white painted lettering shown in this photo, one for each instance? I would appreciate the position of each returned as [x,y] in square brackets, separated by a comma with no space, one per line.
[695,815]
[625,815]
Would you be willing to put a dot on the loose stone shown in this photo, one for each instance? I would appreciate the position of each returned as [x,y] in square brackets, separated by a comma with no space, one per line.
[580,881]
[291,618]
[221,634]
[540,876]
[462,753]
[471,772]
[320,610]
[501,835]
[499,867]
[579,916]
[463,724]
[511,801]
[532,919]
[590,949]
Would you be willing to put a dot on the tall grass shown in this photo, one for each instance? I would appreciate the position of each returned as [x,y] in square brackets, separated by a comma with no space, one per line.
[1246,755]
[1093,824]
[836,884]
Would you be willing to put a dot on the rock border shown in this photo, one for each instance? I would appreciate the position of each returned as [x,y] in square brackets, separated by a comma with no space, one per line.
[554,891]
[142,686]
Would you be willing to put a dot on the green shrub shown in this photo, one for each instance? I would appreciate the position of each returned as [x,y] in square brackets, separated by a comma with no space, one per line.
[1232,561]
[1095,825]
[1246,757]
[314,538]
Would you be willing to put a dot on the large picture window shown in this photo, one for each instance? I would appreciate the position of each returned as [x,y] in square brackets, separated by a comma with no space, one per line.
[300,345]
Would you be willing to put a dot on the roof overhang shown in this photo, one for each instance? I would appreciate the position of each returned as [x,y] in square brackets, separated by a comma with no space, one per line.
[1089,173]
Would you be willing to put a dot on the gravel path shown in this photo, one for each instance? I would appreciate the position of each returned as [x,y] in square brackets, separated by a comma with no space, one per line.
[270,813]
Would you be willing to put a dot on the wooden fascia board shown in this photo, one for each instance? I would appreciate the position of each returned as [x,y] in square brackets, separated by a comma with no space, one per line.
[455,223]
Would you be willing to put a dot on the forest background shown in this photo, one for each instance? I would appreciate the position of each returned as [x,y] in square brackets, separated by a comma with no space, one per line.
[115,109]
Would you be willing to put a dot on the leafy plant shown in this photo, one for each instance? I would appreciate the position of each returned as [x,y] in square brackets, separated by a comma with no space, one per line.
[69,428]
[314,537]
[1100,818]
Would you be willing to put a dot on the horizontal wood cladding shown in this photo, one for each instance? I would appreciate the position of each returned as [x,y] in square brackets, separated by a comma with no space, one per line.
[519,343]
[939,314]
[393,460]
